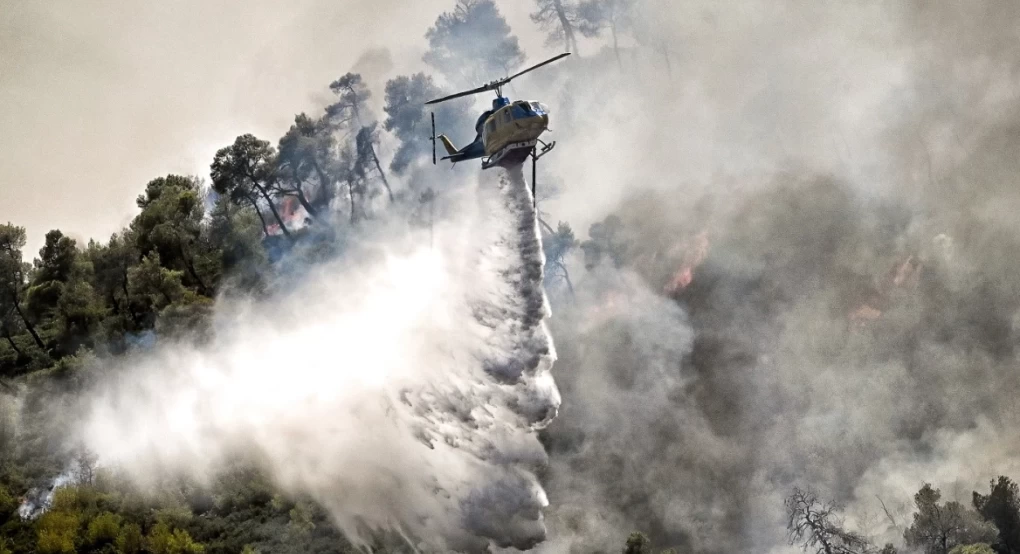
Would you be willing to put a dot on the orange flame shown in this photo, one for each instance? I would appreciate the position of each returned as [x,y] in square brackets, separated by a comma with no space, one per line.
[290,211]
[904,274]
[613,302]
[864,315]
[907,273]
[695,253]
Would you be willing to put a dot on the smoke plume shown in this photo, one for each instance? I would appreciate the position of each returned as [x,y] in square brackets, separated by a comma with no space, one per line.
[853,325]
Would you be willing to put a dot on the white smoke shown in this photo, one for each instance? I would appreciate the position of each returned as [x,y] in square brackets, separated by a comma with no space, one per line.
[400,386]
[38,500]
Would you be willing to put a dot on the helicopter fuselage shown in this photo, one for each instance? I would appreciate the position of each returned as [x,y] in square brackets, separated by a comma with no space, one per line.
[505,135]
[515,122]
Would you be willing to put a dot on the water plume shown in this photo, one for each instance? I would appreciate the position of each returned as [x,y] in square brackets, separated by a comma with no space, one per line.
[401,387]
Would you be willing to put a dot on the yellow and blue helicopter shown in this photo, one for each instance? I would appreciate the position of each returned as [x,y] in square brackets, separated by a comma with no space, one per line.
[507,134]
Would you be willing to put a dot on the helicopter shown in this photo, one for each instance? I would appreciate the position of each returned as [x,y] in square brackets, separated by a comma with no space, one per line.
[507,134]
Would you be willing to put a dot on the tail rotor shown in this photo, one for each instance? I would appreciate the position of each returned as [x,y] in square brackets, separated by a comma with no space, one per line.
[433,138]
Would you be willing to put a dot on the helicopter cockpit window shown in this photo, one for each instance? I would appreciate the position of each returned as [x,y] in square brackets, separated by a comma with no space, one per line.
[519,111]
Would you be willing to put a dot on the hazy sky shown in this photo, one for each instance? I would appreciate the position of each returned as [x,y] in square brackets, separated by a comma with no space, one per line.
[98,97]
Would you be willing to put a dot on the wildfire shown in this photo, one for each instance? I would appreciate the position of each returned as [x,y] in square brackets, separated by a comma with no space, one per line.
[864,315]
[695,252]
[907,273]
[613,302]
[291,212]
[903,274]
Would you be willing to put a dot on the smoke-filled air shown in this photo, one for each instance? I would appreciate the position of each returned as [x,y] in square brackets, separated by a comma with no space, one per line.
[730,278]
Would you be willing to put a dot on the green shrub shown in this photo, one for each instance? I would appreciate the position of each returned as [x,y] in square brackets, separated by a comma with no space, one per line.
[105,528]
[7,504]
[978,548]
[130,541]
[164,541]
[58,532]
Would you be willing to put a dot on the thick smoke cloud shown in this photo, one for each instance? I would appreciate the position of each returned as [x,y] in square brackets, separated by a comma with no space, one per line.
[853,326]
[400,387]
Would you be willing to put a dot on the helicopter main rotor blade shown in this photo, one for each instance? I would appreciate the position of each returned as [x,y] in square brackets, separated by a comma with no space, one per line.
[534,67]
[460,94]
[496,84]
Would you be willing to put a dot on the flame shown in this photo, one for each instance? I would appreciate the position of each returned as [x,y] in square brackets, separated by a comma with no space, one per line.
[905,274]
[288,208]
[613,302]
[864,315]
[694,255]
[291,212]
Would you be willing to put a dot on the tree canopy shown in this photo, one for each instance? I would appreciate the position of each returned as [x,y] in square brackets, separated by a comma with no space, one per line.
[473,44]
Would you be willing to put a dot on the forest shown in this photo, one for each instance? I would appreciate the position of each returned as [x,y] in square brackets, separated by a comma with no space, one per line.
[708,345]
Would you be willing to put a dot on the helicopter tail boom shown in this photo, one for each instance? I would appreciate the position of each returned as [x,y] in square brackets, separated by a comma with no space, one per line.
[448,144]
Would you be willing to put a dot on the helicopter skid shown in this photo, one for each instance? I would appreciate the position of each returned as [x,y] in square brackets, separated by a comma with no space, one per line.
[511,154]
[545,149]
